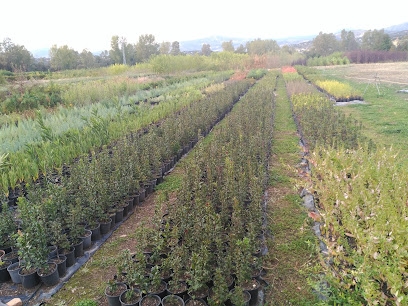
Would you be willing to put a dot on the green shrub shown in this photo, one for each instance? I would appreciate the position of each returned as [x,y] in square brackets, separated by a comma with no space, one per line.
[86,302]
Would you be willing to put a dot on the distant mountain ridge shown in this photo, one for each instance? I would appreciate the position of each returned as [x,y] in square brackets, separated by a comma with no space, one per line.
[216,41]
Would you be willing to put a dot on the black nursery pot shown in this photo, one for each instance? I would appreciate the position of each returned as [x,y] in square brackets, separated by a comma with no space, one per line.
[4,274]
[29,280]
[13,270]
[119,215]
[96,232]
[61,264]
[79,249]
[150,297]
[113,300]
[166,300]
[70,255]
[51,278]
[87,239]
[106,226]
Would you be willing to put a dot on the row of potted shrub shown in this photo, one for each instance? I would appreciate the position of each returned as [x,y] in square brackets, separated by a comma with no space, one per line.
[338,91]
[102,187]
[207,247]
[361,195]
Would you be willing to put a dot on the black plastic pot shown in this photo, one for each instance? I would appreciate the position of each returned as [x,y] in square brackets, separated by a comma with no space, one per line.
[96,232]
[142,195]
[11,256]
[51,278]
[180,294]
[106,227]
[70,255]
[136,200]
[179,299]
[190,302]
[125,209]
[119,215]
[13,270]
[79,249]
[113,300]
[87,239]
[162,293]
[6,249]
[121,298]
[61,266]
[29,280]
[246,293]
[254,291]
[52,251]
[151,296]
[4,274]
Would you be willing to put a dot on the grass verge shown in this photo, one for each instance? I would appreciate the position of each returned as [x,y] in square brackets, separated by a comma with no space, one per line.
[292,255]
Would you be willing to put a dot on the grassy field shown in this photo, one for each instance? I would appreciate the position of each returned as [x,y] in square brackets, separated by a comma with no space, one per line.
[384,116]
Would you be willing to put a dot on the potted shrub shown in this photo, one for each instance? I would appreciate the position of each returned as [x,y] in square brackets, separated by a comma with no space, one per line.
[156,285]
[32,242]
[113,291]
[172,300]
[7,228]
[130,297]
[150,300]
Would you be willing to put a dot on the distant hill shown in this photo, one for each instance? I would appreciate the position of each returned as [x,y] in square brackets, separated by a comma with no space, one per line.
[397,28]
[299,42]
[214,41]
[41,52]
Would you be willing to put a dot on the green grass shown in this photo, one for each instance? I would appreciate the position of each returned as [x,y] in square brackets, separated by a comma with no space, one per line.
[384,117]
[292,253]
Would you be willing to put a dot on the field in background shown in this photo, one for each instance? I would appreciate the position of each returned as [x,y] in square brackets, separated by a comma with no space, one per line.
[393,73]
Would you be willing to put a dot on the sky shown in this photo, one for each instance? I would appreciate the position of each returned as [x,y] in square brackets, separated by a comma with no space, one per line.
[90,24]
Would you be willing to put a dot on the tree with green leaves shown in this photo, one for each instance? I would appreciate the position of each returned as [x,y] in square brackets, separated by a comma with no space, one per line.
[241,49]
[175,48]
[376,40]
[146,47]
[228,46]
[63,58]
[259,46]
[87,60]
[206,50]
[164,47]
[325,44]
[115,53]
[13,56]
[348,41]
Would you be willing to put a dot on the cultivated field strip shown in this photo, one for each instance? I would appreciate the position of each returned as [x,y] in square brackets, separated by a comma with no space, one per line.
[360,192]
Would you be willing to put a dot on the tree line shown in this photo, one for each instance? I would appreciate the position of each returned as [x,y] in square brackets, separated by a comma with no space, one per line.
[325,44]
[17,57]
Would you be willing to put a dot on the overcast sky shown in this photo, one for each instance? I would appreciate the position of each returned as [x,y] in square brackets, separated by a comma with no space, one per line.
[91,23]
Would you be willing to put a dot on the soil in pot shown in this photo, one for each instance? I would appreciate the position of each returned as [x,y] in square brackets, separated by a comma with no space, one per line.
[29,278]
[196,302]
[201,293]
[150,300]
[179,289]
[159,290]
[130,297]
[113,293]
[173,300]
[252,287]
[49,275]
[4,274]
[12,256]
